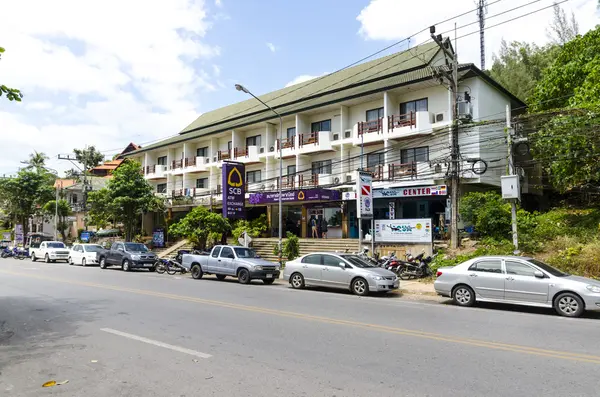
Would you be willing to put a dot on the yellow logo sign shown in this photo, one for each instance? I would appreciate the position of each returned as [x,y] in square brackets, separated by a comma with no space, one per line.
[231,181]
[301,195]
[419,226]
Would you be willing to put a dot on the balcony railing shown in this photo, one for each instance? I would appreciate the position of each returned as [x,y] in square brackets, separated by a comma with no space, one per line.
[286,143]
[377,172]
[310,181]
[240,152]
[402,120]
[401,171]
[307,139]
[224,155]
[150,169]
[287,182]
[175,164]
[365,127]
[190,162]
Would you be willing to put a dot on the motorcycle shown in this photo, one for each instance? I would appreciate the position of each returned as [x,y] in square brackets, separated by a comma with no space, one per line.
[387,261]
[22,253]
[363,254]
[7,253]
[419,268]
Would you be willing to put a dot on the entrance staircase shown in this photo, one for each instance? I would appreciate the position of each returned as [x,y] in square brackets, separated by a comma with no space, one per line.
[264,246]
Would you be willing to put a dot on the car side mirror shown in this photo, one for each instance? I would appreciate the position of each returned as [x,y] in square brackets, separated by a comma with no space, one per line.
[538,274]
[342,265]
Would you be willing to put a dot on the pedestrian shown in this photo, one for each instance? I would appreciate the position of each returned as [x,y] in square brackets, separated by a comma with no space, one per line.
[324,228]
[313,227]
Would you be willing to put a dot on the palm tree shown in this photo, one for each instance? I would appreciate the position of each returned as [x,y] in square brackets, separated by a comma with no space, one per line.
[37,161]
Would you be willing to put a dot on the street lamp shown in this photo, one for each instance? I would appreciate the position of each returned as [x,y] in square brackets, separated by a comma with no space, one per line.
[240,87]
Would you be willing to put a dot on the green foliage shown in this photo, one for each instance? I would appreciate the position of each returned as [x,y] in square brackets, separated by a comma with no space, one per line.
[488,212]
[12,94]
[64,210]
[200,226]
[101,211]
[37,162]
[291,246]
[562,29]
[254,228]
[88,157]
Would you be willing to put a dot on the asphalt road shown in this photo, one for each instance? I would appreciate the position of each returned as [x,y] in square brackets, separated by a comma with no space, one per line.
[111,333]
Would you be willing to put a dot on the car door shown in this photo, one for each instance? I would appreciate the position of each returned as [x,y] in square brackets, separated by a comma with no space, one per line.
[116,255]
[332,274]
[311,266]
[213,260]
[225,261]
[75,255]
[487,278]
[522,285]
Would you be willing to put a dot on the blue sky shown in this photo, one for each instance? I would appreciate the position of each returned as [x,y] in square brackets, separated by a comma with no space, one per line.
[108,72]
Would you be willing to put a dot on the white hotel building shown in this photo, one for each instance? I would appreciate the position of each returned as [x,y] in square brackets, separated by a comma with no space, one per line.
[392,109]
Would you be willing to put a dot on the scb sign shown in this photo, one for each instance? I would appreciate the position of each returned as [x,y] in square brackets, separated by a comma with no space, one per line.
[234,191]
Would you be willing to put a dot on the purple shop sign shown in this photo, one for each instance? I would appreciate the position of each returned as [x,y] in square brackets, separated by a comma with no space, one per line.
[234,191]
[295,195]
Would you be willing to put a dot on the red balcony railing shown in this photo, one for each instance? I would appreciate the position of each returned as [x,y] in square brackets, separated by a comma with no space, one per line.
[224,155]
[286,143]
[150,169]
[307,139]
[176,164]
[287,182]
[312,180]
[401,171]
[377,172]
[365,127]
[240,152]
[403,120]
[190,162]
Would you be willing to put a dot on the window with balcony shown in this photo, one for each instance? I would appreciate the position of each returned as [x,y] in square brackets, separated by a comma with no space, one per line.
[291,170]
[291,132]
[321,167]
[417,154]
[161,160]
[324,125]
[161,187]
[202,152]
[253,176]
[202,183]
[420,105]
[375,159]
[374,114]
[253,140]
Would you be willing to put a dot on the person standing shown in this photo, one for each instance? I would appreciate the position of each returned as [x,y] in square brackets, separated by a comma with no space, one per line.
[313,227]
[324,226]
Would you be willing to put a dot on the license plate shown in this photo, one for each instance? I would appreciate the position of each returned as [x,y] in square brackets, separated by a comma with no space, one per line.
[269,276]
[147,265]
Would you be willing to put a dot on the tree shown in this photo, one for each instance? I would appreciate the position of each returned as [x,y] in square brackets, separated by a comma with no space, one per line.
[12,94]
[64,211]
[101,211]
[562,29]
[198,224]
[37,161]
[88,157]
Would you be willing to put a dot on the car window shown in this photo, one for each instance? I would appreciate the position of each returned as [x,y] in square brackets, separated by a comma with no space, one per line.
[242,252]
[136,247]
[56,245]
[519,269]
[357,261]
[547,268]
[312,259]
[330,260]
[75,248]
[215,252]
[487,266]
[227,252]
[91,248]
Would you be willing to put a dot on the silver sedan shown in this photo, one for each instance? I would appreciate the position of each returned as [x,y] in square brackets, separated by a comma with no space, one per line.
[339,271]
[520,281]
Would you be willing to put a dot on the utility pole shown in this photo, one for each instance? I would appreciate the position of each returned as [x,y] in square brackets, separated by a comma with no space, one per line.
[512,171]
[481,11]
[452,82]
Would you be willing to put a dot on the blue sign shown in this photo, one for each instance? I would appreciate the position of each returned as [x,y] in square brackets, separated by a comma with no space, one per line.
[234,191]
[85,237]
[158,238]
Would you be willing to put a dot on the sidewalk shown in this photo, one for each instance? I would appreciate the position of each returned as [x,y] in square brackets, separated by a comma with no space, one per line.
[414,287]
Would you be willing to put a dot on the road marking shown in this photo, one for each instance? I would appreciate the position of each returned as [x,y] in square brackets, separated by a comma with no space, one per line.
[156,343]
[327,320]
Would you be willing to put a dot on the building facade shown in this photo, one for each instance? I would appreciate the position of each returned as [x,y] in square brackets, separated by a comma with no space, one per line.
[391,116]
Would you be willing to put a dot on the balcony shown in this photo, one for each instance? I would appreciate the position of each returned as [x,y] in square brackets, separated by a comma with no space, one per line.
[413,123]
[156,171]
[377,172]
[247,155]
[398,172]
[176,167]
[288,147]
[314,142]
[223,155]
[287,182]
[310,181]
[196,164]
[369,132]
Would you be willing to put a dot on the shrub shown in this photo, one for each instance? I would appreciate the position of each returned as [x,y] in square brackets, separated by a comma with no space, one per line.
[488,212]
[200,226]
[254,228]
[291,246]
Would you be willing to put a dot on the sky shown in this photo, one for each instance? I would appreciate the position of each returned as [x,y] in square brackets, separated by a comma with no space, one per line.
[110,72]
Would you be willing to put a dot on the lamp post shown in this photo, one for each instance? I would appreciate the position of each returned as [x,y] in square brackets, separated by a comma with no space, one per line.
[240,87]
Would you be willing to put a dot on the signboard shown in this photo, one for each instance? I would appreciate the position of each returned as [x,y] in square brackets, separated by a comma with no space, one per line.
[364,203]
[234,190]
[404,231]
[294,195]
[85,237]
[158,237]
[420,191]
[392,210]
[19,238]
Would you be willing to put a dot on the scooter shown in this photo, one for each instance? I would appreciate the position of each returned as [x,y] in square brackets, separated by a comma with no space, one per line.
[418,269]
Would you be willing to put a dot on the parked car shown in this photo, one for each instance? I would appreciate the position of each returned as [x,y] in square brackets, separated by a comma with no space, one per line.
[84,254]
[128,256]
[520,281]
[347,271]
[50,251]
[226,260]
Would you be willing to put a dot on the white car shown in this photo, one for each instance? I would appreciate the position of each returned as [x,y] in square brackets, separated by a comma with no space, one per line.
[84,254]
[50,251]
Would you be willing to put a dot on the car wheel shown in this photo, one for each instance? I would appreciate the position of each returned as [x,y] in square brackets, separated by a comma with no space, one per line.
[196,272]
[569,305]
[360,287]
[244,276]
[83,262]
[221,277]
[463,296]
[297,281]
[268,281]
[47,259]
[125,265]
[33,258]
[102,263]
[70,261]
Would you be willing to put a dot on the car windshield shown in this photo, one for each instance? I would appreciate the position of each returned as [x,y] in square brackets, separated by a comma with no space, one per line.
[245,253]
[356,261]
[56,245]
[547,268]
[92,248]
[135,247]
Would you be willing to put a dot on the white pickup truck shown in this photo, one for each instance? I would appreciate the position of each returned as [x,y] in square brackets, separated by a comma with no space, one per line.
[227,260]
[50,251]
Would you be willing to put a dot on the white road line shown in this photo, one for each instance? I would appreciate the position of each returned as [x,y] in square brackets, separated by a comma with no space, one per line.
[157,343]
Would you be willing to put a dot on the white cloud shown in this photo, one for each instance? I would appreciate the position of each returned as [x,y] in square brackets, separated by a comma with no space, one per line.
[86,82]
[219,3]
[303,78]
[379,21]
[216,70]
[271,47]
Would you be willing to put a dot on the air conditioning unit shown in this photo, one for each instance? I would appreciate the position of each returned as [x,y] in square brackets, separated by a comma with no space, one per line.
[272,149]
[262,150]
[336,180]
[207,160]
[349,178]
[262,188]
[214,159]
[464,110]
[336,137]
[347,133]
[437,118]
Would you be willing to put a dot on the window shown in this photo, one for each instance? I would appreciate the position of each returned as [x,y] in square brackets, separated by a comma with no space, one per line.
[245,253]
[519,269]
[227,252]
[417,154]
[55,245]
[547,268]
[73,199]
[374,114]
[135,247]
[253,176]
[291,170]
[229,146]
[92,248]
[253,140]
[202,152]
[489,266]
[215,252]
[291,132]
[324,125]
[357,261]
[161,188]
[329,260]
[76,248]
[321,167]
[312,259]
[420,105]
[375,159]
[161,160]
[202,183]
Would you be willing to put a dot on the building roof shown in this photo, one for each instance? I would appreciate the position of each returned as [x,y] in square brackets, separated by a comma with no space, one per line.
[96,182]
[107,166]
[129,148]
[396,70]
[64,183]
